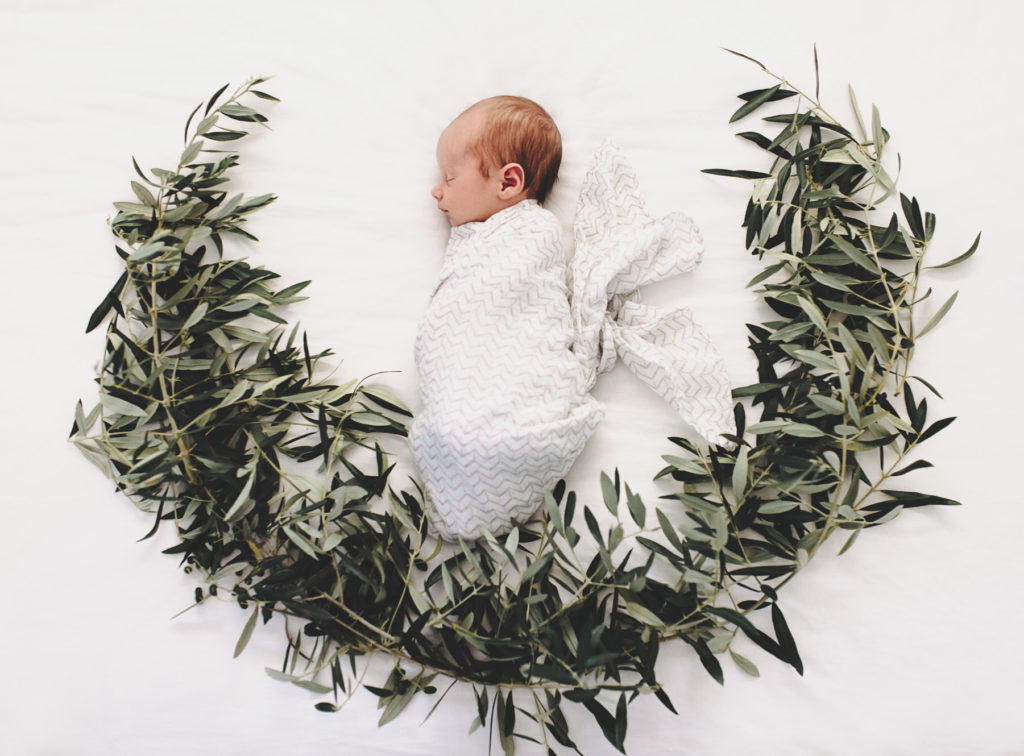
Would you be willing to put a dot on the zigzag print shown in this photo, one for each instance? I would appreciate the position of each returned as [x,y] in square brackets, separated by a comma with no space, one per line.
[506,362]
[620,248]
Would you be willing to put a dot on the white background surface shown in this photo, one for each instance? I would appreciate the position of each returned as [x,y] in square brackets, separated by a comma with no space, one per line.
[910,641]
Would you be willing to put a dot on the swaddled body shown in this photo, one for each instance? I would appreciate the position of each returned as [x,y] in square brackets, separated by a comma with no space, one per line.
[506,359]
[505,408]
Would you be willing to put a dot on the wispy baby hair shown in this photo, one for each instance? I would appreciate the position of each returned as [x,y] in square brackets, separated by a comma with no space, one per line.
[518,130]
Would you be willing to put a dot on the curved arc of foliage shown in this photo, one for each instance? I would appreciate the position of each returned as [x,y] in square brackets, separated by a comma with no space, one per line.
[213,421]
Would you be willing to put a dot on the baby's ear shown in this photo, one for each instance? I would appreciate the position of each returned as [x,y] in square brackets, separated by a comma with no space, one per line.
[513,181]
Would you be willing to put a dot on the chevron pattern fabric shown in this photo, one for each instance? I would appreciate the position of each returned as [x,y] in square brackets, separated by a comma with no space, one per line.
[504,414]
[506,362]
[620,248]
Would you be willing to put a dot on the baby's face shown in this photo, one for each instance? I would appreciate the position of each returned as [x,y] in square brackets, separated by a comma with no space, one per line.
[464,194]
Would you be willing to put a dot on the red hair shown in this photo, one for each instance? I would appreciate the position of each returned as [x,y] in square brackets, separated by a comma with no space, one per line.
[518,130]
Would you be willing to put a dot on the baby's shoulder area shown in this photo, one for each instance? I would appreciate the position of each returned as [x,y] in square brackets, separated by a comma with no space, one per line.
[543,217]
[534,220]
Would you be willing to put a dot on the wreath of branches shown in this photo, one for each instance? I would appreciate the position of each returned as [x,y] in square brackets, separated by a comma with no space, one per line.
[212,418]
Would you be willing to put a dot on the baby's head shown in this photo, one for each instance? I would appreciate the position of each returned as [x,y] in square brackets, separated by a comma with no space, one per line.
[498,152]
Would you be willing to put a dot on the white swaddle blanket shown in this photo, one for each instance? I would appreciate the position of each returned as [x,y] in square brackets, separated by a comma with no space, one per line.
[506,362]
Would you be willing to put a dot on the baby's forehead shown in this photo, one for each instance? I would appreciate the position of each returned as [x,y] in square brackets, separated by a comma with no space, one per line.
[461,134]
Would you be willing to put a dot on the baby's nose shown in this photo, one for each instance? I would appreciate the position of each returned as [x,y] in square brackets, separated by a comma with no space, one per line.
[435,191]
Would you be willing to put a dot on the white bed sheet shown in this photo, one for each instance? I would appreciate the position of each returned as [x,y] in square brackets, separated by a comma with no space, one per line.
[910,640]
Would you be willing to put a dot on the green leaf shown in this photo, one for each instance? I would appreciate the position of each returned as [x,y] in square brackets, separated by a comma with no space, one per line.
[755,389]
[827,404]
[213,99]
[605,721]
[313,687]
[841,155]
[242,499]
[782,94]
[669,531]
[446,581]
[786,638]
[736,173]
[745,57]
[84,422]
[768,272]
[285,677]
[803,430]
[226,208]
[833,280]
[537,565]
[817,76]
[506,715]
[919,464]
[745,664]
[853,350]
[685,465]
[757,99]
[939,315]
[853,253]
[225,136]
[850,541]
[197,315]
[386,400]
[637,510]
[813,313]
[147,251]
[206,124]
[851,309]
[620,722]
[815,359]
[300,541]
[876,132]
[609,494]
[642,614]
[739,475]
[243,639]
[242,113]
[145,196]
[191,152]
[929,386]
[760,638]
[121,407]
[934,428]
[776,507]
[856,112]
[707,659]
[110,302]
[768,426]
[961,258]
[395,705]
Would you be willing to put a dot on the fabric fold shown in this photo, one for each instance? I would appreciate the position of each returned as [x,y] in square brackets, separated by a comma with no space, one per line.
[620,248]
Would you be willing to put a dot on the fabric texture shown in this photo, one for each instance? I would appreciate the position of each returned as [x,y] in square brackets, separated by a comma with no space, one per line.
[506,362]
[620,248]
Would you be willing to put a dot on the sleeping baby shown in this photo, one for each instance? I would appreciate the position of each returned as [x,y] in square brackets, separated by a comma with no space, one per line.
[506,357]
[504,414]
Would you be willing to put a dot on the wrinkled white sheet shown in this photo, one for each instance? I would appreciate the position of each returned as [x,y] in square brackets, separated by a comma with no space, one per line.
[907,639]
